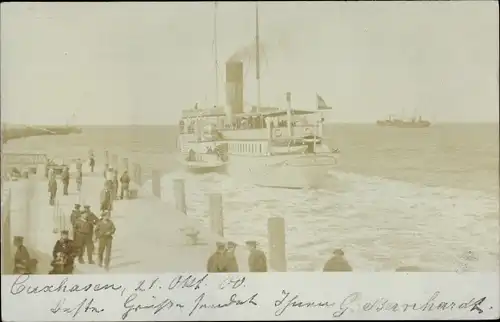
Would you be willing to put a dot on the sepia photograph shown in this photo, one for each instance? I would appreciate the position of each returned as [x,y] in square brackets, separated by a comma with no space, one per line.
[242,137]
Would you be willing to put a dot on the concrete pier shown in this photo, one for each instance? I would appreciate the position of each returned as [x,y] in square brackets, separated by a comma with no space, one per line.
[146,240]
[277,242]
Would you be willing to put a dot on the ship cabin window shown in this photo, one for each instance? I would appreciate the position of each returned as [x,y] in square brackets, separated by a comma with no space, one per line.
[260,148]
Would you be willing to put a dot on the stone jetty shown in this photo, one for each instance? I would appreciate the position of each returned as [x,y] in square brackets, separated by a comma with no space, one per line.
[151,237]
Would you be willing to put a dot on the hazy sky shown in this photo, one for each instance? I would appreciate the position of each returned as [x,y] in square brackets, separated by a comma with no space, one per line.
[142,63]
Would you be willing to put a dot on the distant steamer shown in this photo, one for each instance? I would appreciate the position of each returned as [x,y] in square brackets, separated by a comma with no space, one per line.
[412,123]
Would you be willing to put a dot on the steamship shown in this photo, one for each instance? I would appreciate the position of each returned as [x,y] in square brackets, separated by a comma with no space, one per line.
[265,146]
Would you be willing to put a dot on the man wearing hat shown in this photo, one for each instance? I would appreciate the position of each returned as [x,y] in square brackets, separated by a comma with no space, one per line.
[337,263]
[217,261]
[69,251]
[22,257]
[75,215]
[106,197]
[52,188]
[83,238]
[231,262]
[92,218]
[257,260]
[65,180]
[124,187]
[105,229]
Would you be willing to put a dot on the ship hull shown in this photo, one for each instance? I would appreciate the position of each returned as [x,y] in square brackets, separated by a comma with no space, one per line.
[404,125]
[282,171]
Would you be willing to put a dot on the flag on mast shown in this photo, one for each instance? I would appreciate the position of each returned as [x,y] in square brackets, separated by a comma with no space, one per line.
[321,104]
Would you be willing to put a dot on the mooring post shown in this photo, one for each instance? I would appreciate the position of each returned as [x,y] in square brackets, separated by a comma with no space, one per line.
[180,195]
[277,243]
[114,161]
[125,164]
[137,174]
[216,213]
[156,183]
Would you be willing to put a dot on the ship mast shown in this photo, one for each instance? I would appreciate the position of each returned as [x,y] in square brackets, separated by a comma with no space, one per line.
[257,53]
[216,57]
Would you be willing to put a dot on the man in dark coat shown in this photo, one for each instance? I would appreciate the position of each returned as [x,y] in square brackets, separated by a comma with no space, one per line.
[257,260]
[217,261]
[337,263]
[63,254]
[75,215]
[22,258]
[52,188]
[231,262]
[105,229]
[65,180]
[84,228]
[124,187]
[106,197]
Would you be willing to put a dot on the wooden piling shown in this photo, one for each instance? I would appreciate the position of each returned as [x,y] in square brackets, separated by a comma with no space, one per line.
[277,243]
[180,195]
[137,173]
[114,161]
[125,164]
[215,213]
[156,183]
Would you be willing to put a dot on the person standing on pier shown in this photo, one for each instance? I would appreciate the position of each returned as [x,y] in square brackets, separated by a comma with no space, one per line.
[115,184]
[22,257]
[257,260]
[337,263]
[106,197]
[91,163]
[79,180]
[64,264]
[124,185]
[231,262]
[75,215]
[104,231]
[65,180]
[105,173]
[79,165]
[84,228]
[52,190]
[217,261]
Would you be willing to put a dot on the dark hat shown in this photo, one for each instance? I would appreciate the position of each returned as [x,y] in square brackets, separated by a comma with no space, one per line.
[231,244]
[251,243]
[339,252]
[86,207]
[64,232]
[220,245]
[77,205]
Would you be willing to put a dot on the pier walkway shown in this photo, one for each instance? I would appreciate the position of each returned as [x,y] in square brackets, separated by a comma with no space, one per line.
[150,234]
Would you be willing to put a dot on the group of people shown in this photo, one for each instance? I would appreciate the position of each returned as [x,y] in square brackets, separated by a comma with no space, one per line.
[87,229]
[110,191]
[223,260]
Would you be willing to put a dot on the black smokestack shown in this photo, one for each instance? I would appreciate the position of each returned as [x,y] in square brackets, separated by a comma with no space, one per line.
[234,86]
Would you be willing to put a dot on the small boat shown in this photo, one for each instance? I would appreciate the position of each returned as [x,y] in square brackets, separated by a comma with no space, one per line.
[203,162]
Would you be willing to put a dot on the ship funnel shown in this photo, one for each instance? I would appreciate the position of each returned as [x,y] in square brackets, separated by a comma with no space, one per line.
[234,89]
